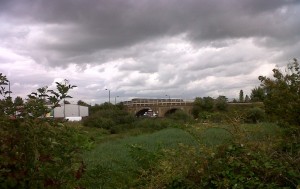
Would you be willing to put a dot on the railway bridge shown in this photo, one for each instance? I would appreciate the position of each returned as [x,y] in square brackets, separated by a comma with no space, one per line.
[157,107]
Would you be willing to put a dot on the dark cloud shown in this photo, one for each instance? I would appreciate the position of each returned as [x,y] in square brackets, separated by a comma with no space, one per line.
[80,27]
[150,46]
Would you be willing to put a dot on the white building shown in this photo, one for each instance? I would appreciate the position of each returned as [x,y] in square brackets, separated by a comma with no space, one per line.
[70,111]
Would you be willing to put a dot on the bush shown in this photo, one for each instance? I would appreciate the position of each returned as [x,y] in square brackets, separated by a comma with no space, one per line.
[180,115]
[38,155]
[235,166]
[282,101]
[111,119]
[229,166]
[217,117]
[36,152]
[204,116]
[255,115]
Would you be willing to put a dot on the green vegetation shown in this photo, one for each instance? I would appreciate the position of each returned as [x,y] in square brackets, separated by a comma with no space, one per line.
[224,145]
[172,158]
[257,94]
[206,105]
[118,163]
[112,119]
[282,102]
[37,152]
[241,96]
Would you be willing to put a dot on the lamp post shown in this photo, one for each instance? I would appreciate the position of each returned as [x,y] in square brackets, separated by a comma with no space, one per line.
[116,99]
[169,101]
[9,89]
[108,95]
[169,98]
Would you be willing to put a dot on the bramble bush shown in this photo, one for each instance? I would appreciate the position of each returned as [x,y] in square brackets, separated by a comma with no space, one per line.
[180,116]
[112,118]
[237,164]
[36,152]
[255,115]
[36,155]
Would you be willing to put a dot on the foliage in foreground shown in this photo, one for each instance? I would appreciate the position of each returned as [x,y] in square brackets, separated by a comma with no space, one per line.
[36,152]
[38,155]
[282,102]
[244,160]
[117,164]
[242,163]
[250,156]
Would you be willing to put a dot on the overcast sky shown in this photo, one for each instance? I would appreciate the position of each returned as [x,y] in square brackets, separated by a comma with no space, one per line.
[146,48]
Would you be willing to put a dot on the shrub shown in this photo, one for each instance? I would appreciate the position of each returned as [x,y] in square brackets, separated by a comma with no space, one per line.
[221,103]
[38,155]
[204,116]
[167,168]
[236,166]
[255,115]
[180,115]
[229,166]
[36,152]
[217,117]
[282,100]
[111,119]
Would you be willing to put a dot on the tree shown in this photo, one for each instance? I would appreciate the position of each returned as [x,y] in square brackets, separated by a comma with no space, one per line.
[257,94]
[241,97]
[282,100]
[208,104]
[63,89]
[82,103]
[35,152]
[221,103]
[3,82]
[6,104]
[67,102]
[247,98]
[18,101]
[197,106]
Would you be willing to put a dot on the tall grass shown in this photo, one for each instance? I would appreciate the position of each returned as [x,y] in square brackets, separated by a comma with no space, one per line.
[112,165]
[118,160]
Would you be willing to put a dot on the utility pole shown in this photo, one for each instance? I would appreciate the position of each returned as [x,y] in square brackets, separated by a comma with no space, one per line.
[108,95]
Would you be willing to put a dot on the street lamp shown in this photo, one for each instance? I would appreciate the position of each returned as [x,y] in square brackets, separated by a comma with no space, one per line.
[169,101]
[108,95]
[116,99]
[169,98]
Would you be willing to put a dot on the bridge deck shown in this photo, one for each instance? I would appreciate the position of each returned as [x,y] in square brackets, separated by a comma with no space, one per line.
[145,104]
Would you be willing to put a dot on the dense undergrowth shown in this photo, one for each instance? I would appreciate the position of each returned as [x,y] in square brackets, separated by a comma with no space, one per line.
[36,152]
[232,147]
[217,156]
[37,155]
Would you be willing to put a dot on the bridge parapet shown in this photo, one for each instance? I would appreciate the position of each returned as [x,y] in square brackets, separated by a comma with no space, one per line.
[158,106]
[157,102]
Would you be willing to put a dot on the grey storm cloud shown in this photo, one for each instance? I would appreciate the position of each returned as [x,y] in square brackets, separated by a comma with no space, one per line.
[81,27]
[139,46]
